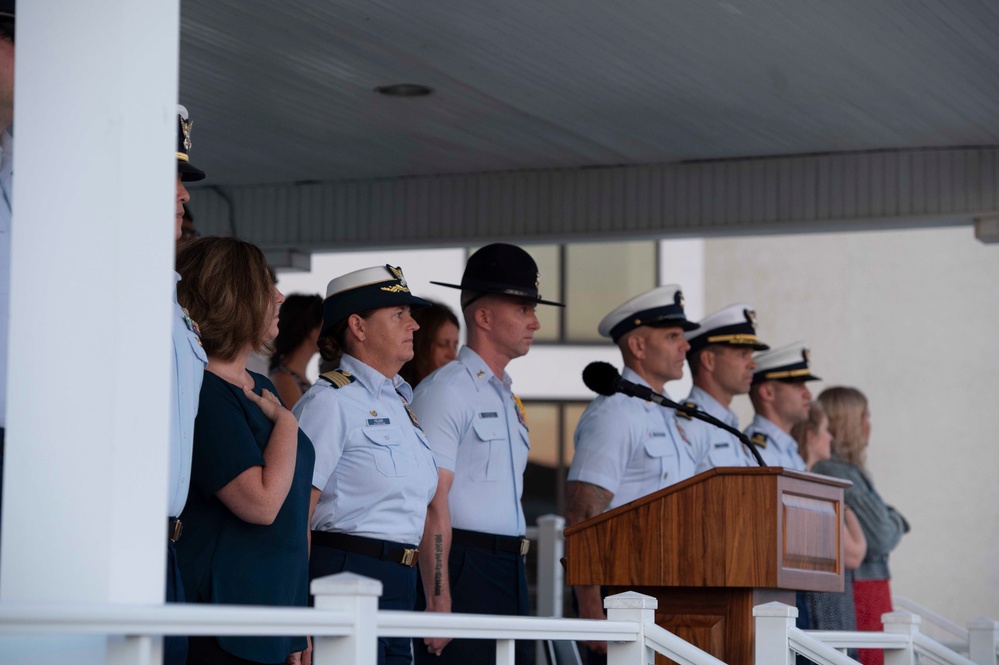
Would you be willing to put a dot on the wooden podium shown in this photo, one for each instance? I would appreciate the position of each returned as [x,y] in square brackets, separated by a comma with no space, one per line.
[715,545]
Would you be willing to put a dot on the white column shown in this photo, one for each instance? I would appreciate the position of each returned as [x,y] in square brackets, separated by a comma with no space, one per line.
[92,248]
[357,595]
[773,622]
[637,607]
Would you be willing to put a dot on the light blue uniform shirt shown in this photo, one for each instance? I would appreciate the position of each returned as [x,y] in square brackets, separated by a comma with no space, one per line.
[477,430]
[630,447]
[6,206]
[719,448]
[373,464]
[781,448]
[189,362]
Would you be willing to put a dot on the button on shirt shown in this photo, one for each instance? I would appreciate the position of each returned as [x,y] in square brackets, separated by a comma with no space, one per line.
[476,431]
[781,448]
[719,447]
[373,465]
[6,207]
[189,362]
[630,447]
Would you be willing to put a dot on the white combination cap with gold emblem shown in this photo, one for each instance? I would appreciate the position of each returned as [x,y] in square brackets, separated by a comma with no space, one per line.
[364,289]
[788,363]
[660,307]
[734,325]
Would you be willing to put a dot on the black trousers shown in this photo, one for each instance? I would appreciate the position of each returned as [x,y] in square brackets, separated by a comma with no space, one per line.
[482,582]
[398,590]
[174,646]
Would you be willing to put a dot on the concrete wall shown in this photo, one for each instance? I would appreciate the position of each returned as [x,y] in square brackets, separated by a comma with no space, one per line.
[910,318]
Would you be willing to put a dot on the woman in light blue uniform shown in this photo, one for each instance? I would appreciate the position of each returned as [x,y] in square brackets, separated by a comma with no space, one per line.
[375,472]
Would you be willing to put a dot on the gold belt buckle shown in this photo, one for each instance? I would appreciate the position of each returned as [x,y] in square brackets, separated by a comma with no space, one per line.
[525,546]
[410,557]
[175,532]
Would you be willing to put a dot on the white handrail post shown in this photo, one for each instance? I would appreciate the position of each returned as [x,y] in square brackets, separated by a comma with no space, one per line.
[550,576]
[983,640]
[903,623]
[773,621]
[636,607]
[134,650]
[359,596]
[506,651]
[551,547]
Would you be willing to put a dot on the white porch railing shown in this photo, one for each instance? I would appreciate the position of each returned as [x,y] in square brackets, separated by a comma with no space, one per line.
[777,640]
[345,625]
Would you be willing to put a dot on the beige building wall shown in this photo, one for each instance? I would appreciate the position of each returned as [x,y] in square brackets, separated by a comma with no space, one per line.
[910,318]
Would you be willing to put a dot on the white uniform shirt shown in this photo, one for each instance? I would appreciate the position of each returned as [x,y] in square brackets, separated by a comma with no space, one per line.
[630,447]
[189,361]
[373,465]
[720,448]
[478,430]
[781,449]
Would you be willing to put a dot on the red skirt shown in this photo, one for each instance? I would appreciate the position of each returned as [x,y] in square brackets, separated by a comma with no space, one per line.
[872,598]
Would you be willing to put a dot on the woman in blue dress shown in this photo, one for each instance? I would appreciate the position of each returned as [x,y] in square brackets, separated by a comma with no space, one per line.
[245,525]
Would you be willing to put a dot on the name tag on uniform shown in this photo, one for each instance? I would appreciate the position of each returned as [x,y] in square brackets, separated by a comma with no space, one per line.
[721,445]
[489,414]
[379,421]
[658,434]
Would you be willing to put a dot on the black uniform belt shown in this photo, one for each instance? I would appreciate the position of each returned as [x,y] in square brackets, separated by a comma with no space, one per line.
[383,550]
[490,541]
[174,529]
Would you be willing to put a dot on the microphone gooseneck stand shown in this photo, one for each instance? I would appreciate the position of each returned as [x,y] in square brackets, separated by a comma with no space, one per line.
[604,379]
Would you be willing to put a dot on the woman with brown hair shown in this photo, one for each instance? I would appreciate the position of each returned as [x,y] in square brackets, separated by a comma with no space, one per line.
[882,525]
[299,322]
[245,537]
[435,344]
[830,610]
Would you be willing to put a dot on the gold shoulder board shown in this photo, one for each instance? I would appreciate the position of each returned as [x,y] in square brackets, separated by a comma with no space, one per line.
[338,378]
[760,439]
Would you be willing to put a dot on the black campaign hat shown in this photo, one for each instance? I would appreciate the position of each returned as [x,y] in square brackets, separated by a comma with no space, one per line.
[504,270]
[7,8]
[188,171]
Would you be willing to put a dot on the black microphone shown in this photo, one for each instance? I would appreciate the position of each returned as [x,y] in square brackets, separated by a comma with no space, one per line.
[604,379]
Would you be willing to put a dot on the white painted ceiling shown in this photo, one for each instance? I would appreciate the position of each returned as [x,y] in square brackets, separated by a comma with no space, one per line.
[283,91]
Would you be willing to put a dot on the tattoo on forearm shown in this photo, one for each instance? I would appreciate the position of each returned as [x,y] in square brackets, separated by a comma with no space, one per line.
[585,501]
[438,563]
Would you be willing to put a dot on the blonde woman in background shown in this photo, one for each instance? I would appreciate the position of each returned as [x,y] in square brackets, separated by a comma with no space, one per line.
[882,525]
[830,611]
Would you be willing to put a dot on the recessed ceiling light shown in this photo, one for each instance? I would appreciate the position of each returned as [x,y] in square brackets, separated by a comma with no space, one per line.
[404,90]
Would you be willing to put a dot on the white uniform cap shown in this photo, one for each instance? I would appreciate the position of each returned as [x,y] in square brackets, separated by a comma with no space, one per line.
[661,307]
[734,325]
[788,363]
[364,289]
